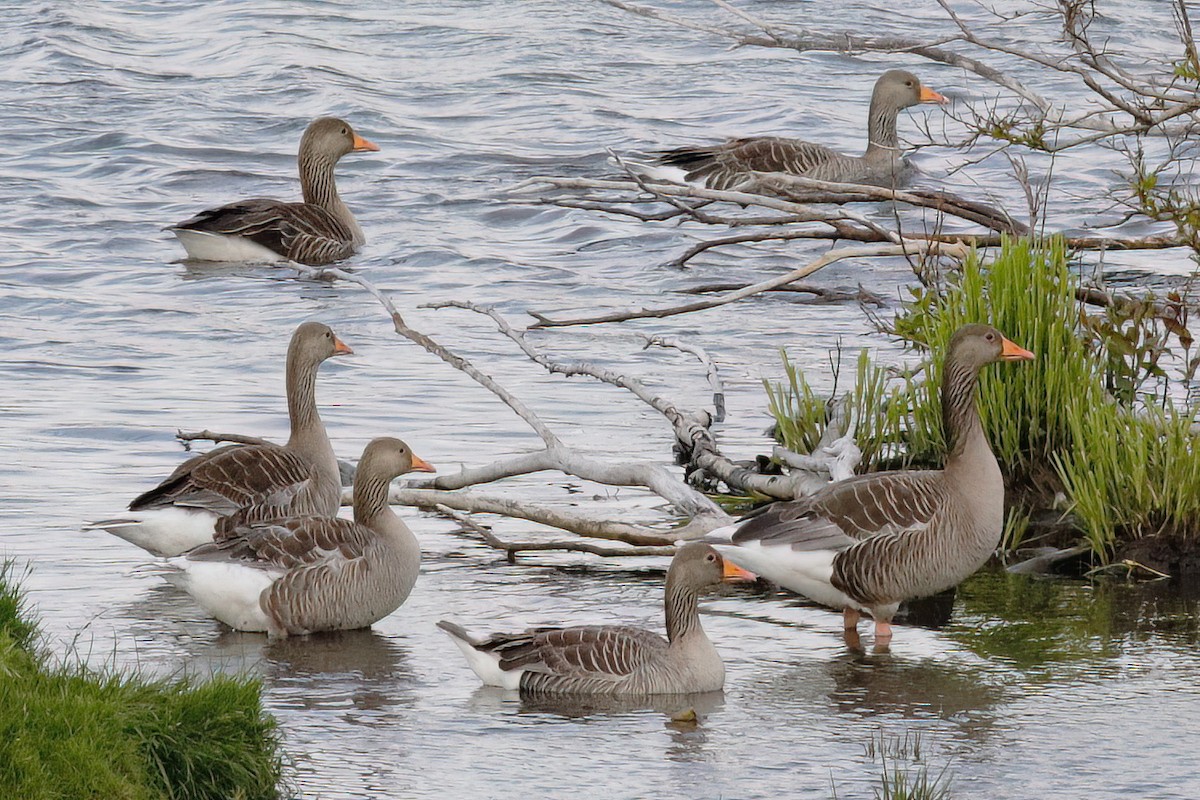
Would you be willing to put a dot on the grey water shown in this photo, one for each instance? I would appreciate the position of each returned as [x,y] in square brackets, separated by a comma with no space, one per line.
[120,118]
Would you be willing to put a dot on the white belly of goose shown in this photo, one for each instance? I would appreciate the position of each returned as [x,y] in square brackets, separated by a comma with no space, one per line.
[807,572]
[230,592]
[204,246]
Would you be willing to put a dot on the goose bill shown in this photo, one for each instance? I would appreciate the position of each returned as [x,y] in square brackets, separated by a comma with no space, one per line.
[734,574]
[421,465]
[1011,351]
[361,144]
[930,96]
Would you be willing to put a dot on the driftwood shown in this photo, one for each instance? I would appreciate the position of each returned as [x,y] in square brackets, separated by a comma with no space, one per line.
[952,250]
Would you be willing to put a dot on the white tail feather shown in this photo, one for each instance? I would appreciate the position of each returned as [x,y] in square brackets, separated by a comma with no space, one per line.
[484,664]
[163,532]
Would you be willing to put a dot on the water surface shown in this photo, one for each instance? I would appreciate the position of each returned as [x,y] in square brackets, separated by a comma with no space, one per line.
[122,118]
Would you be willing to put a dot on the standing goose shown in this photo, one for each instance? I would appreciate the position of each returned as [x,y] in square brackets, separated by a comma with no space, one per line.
[871,541]
[304,574]
[725,166]
[318,231]
[611,659]
[246,482]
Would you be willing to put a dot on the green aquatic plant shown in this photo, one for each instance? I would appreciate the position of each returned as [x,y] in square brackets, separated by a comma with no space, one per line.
[879,408]
[905,774]
[1134,474]
[70,731]
[1076,420]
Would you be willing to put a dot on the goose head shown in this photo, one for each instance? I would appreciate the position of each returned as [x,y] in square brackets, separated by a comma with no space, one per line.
[331,138]
[898,88]
[387,458]
[974,346]
[697,566]
[313,342]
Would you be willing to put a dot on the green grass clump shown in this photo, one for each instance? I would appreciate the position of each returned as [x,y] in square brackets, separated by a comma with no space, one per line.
[1133,474]
[1027,409]
[905,774]
[877,404]
[72,732]
[1125,459]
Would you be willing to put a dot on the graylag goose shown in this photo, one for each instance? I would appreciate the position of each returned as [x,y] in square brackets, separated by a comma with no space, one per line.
[318,231]
[726,166]
[209,493]
[867,543]
[611,659]
[304,574]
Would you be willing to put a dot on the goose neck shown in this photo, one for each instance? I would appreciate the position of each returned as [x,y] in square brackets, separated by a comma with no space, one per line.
[682,607]
[302,398]
[960,414]
[881,127]
[371,500]
[316,180]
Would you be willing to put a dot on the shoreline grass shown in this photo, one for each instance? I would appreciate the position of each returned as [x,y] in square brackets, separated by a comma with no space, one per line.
[70,731]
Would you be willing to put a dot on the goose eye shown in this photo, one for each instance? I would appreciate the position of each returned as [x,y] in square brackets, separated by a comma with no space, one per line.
[991,337]
[710,557]
[345,132]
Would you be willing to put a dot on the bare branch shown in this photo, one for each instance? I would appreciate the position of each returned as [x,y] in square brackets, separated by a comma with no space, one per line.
[547,515]
[714,376]
[691,429]
[567,545]
[207,435]
[803,41]
[952,250]
[823,294]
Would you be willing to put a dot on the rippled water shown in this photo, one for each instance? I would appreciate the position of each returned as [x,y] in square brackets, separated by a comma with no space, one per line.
[122,118]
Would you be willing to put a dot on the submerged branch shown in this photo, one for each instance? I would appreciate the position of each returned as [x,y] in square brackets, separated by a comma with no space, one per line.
[564,545]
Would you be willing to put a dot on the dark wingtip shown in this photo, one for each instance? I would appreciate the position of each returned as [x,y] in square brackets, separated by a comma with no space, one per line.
[455,630]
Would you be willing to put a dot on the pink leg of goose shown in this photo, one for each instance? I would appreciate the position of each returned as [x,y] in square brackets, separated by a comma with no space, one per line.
[883,633]
[850,628]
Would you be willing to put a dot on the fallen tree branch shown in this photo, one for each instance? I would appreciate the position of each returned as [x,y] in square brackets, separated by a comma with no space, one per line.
[568,545]
[954,250]
[549,516]
[823,294]
[713,374]
[692,429]
[207,435]
[803,41]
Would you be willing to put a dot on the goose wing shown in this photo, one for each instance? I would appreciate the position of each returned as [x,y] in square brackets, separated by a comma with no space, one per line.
[302,232]
[724,166]
[848,512]
[290,544]
[234,477]
[590,651]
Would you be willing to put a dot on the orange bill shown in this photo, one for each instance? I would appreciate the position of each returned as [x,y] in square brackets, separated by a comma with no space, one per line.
[361,144]
[421,465]
[930,96]
[735,574]
[340,348]
[1014,352]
